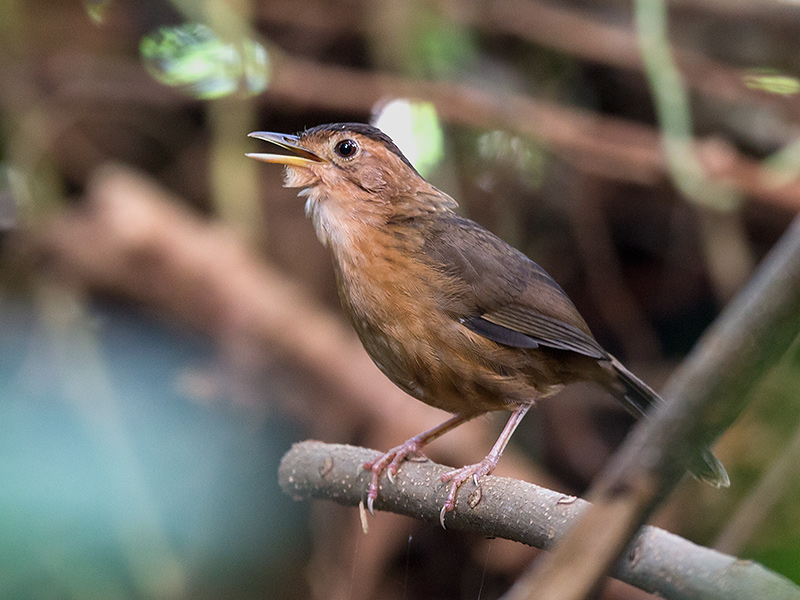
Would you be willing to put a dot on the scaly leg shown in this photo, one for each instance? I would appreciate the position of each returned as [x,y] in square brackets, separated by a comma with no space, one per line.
[390,461]
[459,476]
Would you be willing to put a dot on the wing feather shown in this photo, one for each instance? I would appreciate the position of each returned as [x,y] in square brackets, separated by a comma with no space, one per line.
[499,293]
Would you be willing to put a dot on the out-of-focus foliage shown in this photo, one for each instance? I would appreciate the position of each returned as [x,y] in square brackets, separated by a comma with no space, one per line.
[416,130]
[772,82]
[97,9]
[191,57]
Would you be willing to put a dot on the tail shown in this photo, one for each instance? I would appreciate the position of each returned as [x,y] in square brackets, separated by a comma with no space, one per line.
[639,398]
[707,467]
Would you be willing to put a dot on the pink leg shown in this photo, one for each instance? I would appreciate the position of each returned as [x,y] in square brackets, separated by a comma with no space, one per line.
[459,476]
[390,461]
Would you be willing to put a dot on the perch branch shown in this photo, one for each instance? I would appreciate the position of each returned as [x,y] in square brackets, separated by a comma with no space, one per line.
[656,561]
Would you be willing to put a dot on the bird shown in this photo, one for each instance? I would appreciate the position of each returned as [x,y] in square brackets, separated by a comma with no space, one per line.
[448,311]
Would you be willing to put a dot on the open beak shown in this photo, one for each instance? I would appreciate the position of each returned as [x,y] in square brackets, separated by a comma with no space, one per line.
[302,157]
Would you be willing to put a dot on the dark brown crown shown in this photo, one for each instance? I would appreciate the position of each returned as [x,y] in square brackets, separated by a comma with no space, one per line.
[368,131]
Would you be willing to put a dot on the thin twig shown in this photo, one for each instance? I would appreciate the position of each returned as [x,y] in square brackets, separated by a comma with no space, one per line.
[657,561]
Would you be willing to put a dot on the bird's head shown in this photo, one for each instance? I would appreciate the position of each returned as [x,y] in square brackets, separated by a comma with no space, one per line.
[352,170]
[343,157]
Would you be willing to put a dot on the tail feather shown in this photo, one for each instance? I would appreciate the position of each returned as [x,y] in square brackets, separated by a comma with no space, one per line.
[640,397]
[708,468]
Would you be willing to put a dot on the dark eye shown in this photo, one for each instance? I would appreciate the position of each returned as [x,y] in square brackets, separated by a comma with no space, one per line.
[346,148]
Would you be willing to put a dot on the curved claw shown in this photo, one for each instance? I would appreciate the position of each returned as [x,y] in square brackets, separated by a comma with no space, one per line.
[372,492]
[389,462]
[459,477]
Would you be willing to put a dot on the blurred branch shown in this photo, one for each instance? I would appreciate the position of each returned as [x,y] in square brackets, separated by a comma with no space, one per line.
[671,101]
[703,397]
[769,10]
[234,182]
[618,306]
[614,148]
[729,264]
[568,30]
[658,562]
[577,33]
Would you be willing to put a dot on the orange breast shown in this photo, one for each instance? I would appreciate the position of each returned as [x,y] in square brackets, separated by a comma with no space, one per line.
[390,298]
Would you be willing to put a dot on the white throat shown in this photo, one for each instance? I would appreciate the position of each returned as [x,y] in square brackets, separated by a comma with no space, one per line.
[333,224]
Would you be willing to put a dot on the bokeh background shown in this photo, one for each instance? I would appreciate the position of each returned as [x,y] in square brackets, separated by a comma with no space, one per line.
[169,324]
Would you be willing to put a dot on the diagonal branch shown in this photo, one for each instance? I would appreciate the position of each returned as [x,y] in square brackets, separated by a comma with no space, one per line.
[703,397]
[657,561]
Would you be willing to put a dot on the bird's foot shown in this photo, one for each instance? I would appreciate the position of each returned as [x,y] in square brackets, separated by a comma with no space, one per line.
[459,477]
[390,462]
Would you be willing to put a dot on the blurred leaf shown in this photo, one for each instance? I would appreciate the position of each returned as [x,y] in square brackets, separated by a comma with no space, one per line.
[97,9]
[417,131]
[772,81]
[194,58]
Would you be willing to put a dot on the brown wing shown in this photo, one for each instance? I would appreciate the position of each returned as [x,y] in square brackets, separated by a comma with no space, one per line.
[501,294]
